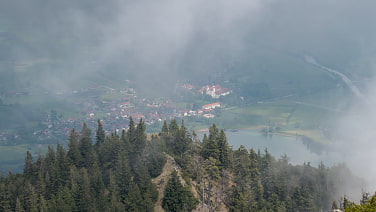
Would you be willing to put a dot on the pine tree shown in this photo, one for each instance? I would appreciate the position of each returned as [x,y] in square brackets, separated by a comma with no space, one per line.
[182,141]
[140,142]
[62,165]
[164,130]
[30,198]
[86,200]
[131,133]
[210,147]
[51,171]
[28,167]
[173,128]
[133,200]
[176,197]
[100,134]
[238,200]
[85,146]
[5,199]
[122,176]
[224,150]
[74,150]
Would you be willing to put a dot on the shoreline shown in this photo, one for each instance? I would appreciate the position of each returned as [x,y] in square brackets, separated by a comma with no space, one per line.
[255,128]
[243,128]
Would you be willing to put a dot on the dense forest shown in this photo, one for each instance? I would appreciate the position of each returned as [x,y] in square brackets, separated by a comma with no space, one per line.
[172,171]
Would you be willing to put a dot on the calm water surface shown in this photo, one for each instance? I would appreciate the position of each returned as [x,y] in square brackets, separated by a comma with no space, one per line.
[278,145]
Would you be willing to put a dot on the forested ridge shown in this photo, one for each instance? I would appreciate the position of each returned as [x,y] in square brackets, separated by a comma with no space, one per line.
[116,172]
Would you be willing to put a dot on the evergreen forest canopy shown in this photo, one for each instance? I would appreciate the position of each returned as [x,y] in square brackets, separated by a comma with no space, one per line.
[173,170]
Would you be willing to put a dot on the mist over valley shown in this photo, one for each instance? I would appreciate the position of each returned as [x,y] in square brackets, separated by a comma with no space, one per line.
[279,69]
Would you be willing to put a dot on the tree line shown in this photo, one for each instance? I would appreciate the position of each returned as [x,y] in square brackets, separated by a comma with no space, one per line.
[115,172]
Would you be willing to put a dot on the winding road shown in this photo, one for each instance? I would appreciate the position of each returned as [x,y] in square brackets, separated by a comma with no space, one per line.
[343,77]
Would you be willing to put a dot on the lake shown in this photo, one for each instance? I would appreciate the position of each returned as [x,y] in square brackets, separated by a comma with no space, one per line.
[278,145]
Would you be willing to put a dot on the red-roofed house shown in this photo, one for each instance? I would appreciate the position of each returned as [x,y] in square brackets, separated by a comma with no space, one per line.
[211,106]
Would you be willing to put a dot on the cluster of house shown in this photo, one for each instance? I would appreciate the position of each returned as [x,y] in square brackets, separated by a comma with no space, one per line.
[215,91]
[117,116]
[118,112]
[206,111]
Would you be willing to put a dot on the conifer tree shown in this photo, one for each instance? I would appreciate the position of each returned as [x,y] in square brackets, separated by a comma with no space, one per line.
[183,140]
[173,128]
[164,128]
[100,134]
[30,198]
[131,133]
[122,176]
[5,201]
[177,197]
[89,157]
[62,165]
[140,137]
[224,150]
[28,167]
[210,144]
[74,150]
[133,200]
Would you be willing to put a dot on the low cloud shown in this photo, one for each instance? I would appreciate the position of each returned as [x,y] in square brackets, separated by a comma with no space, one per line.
[157,42]
[356,136]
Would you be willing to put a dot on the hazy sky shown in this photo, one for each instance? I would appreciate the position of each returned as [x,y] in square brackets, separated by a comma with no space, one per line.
[166,37]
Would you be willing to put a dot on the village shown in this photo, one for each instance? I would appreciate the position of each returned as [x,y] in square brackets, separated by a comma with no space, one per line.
[115,114]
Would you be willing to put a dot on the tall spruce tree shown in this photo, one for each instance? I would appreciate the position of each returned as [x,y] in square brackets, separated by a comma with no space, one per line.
[28,167]
[74,150]
[86,146]
[177,197]
[224,150]
[100,134]
[131,133]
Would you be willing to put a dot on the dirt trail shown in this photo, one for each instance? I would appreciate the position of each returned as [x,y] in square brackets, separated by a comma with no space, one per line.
[162,179]
[161,182]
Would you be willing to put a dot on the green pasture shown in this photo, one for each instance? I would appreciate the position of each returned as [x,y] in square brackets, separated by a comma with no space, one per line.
[303,116]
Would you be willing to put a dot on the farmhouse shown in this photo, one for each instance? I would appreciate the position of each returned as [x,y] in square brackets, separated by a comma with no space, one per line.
[211,106]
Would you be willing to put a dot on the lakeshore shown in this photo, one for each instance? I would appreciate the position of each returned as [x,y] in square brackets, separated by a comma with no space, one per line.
[297,149]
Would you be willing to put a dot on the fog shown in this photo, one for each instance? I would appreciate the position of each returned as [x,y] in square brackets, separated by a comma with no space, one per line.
[356,136]
[157,43]
[162,39]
